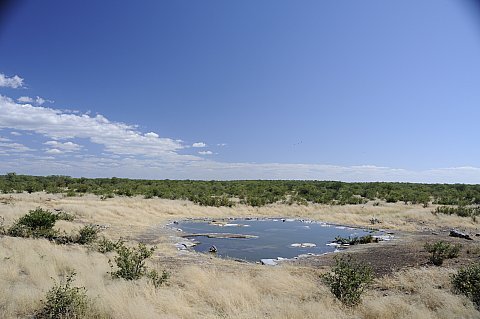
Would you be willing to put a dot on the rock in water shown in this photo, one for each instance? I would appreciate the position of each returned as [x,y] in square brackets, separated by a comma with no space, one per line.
[456,233]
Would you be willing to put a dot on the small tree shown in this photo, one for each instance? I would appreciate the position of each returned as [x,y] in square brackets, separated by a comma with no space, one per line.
[131,264]
[348,279]
[467,282]
[87,234]
[441,250]
[36,223]
[64,301]
[131,261]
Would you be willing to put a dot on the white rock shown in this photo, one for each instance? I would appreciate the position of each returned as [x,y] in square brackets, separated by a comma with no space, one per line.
[268,262]
[308,245]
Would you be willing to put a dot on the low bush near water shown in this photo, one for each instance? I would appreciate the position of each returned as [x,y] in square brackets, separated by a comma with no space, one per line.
[440,250]
[348,280]
[130,263]
[356,240]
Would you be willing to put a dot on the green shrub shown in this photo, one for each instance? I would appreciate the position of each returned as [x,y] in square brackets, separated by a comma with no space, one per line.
[105,245]
[87,234]
[64,301]
[367,239]
[440,250]
[36,223]
[467,282]
[65,216]
[348,279]
[157,279]
[130,261]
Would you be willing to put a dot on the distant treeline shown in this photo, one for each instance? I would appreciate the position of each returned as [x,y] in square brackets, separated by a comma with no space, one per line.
[249,192]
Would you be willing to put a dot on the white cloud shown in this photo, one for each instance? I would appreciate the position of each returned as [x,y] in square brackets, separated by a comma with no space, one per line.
[117,138]
[104,166]
[15,133]
[222,144]
[54,151]
[13,147]
[13,82]
[199,144]
[151,134]
[25,99]
[37,100]
[205,153]
[66,147]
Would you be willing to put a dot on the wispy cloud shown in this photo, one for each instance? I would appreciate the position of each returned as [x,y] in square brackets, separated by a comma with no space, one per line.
[37,100]
[63,147]
[199,144]
[13,147]
[10,82]
[127,152]
[116,137]
[54,151]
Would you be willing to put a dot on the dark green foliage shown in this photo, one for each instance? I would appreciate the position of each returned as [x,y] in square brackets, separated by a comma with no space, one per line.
[467,282]
[440,250]
[105,245]
[462,210]
[130,261]
[87,234]
[157,279]
[348,280]
[39,223]
[64,301]
[249,192]
[65,216]
[130,264]
[367,239]
[36,223]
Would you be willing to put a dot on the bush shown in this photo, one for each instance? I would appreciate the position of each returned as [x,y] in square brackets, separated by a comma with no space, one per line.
[441,250]
[131,264]
[348,279]
[36,223]
[87,234]
[157,279]
[65,216]
[467,282]
[64,301]
[105,245]
[367,239]
[131,261]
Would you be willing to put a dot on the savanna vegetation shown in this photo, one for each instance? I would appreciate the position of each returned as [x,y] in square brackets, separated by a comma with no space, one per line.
[253,192]
[70,254]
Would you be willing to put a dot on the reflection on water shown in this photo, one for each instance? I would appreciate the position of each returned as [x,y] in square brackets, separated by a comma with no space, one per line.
[270,238]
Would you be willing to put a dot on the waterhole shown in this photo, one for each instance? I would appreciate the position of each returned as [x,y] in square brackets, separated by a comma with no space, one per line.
[259,239]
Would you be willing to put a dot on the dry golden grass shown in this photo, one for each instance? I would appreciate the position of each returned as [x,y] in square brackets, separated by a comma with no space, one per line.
[207,287]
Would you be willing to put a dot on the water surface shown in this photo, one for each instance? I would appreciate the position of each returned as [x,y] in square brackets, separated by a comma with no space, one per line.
[273,237]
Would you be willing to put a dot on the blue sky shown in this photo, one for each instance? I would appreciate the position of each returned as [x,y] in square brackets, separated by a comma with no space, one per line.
[345,90]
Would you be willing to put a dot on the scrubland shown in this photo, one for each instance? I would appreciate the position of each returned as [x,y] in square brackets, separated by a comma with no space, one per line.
[202,286]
